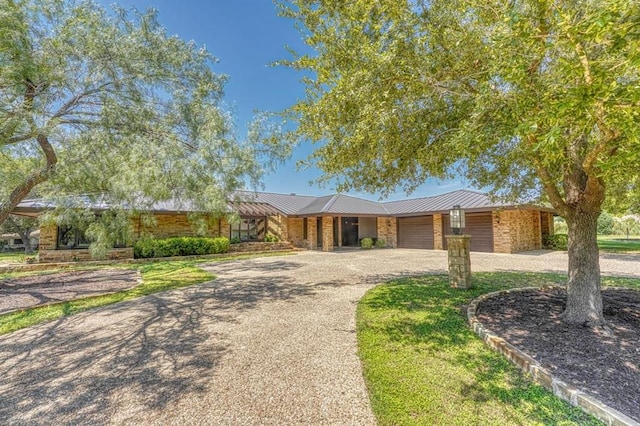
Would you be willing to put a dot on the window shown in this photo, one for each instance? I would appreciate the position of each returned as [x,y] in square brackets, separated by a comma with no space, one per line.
[304,229]
[70,237]
[17,241]
[249,229]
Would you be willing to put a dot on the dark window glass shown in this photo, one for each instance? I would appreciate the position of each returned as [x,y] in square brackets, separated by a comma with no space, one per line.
[18,241]
[249,229]
[70,237]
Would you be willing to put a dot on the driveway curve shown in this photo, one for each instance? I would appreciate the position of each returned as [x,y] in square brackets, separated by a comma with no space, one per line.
[270,341]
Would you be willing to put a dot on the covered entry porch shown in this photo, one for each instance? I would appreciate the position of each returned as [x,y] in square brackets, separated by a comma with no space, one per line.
[335,232]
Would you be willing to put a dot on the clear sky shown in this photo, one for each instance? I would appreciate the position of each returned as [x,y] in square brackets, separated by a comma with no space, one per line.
[246,36]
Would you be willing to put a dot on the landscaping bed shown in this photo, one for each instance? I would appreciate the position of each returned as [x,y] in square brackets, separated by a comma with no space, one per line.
[605,365]
[36,290]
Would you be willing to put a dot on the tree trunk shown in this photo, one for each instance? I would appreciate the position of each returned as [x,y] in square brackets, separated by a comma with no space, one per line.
[20,192]
[584,297]
[26,240]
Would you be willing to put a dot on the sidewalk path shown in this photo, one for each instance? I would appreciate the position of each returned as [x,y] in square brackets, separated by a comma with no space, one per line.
[270,341]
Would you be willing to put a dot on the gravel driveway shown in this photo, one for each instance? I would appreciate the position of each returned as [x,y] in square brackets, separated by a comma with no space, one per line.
[271,341]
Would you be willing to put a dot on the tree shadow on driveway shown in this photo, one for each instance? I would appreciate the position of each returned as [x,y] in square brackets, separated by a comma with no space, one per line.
[132,360]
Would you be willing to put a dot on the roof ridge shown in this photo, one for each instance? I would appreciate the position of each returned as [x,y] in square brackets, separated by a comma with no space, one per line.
[327,206]
[280,193]
[436,196]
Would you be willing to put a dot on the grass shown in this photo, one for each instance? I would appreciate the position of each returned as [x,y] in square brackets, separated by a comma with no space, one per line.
[15,257]
[423,365]
[619,244]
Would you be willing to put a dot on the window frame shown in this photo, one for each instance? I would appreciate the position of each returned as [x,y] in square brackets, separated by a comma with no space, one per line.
[236,230]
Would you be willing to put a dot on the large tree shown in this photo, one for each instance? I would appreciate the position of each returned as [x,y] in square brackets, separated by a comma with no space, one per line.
[107,105]
[23,226]
[531,98]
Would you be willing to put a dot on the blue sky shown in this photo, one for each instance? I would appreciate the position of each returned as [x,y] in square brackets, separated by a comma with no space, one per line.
[246,36]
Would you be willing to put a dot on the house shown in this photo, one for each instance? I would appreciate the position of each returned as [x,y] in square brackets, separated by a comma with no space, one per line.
[330,222]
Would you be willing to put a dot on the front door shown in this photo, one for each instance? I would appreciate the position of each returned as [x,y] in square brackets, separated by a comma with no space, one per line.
[350,232]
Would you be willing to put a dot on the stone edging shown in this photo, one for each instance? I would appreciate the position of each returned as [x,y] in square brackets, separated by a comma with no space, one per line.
[541,375]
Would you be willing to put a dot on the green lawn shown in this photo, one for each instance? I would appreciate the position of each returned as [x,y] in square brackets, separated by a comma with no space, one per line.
[424,366]
[15,257]
[619,244]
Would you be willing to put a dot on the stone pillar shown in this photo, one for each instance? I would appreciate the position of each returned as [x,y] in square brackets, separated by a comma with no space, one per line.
[327,233]
[339,219]
[459,261]
[437,232]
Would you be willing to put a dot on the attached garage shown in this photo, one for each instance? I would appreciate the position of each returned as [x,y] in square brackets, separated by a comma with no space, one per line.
[479,226]
[415,232]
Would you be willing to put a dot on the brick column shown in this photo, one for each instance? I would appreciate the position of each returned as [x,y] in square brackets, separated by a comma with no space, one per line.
[312,231]
[437,232]
[459,261]
[339,219]
[327,233]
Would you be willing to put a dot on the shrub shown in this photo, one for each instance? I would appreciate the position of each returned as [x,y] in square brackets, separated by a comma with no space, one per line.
[380,243]
[366,243]
[555,242]
[179,246]
[269,238]
[606,222]
[235,240]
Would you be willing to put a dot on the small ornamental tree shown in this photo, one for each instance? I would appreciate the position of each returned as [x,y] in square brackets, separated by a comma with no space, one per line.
[533,98]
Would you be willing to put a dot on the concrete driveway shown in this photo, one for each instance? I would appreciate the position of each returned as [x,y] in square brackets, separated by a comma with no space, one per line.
[271,341]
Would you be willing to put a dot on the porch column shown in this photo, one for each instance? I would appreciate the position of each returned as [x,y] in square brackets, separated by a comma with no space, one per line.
[339,219]
[437,232]
[327,233]
[312,230]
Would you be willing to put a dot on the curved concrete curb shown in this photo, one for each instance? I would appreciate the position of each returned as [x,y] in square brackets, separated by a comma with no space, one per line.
[541,375]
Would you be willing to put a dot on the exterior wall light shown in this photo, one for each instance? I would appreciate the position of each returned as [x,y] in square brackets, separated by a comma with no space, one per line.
[456,218]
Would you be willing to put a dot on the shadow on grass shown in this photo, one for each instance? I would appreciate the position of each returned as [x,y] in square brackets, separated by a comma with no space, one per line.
[422,323]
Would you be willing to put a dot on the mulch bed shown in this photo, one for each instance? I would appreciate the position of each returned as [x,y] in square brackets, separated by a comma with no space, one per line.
[602,365]
[36,290]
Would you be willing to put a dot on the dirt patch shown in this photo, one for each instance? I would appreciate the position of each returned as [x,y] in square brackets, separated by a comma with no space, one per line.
[27,292]
[605,366]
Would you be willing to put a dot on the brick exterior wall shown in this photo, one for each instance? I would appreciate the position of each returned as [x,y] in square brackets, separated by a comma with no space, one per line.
[295,226]
[388,230]
[516,230]
[312,232]
[437,232]
[48,237]
[81,255]
[172,225]
[327,233]
[277,225]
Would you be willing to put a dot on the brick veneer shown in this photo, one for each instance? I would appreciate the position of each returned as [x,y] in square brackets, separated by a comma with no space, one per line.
[437,232]
[388,230]
[312,232]
[173,225]
[516,230]
[327,233]
[81,255]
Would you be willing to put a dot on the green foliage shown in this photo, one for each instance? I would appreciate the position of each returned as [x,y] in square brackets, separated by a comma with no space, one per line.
[560,225]
[235,240]
[180,246]
[366,243]
[627,225]
[109,106]
[270,238]
[380,243]
[502,92]
[606,222]
[423,365]
[555,242]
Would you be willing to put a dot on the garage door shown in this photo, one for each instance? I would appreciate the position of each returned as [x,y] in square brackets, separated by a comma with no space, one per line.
[415,232]
[479,226]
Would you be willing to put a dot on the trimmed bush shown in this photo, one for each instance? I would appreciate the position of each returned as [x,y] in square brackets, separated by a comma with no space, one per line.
[269,238]
[179,246]
[380,243]
[555,242]
[235,240]
[366,243]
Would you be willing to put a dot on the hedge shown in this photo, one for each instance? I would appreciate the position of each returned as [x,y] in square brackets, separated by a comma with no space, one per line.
[179,246]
